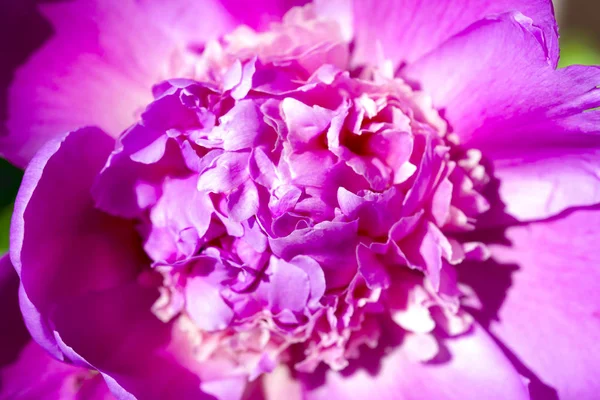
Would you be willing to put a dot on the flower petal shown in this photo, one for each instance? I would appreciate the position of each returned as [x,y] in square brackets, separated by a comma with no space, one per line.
[95,72]
[501,95]
[405,30]
[477,369]
[81,294]
[138,355]
[550,317]
[26,370]
[331,244]
[14,334]
[37,376]
[548,181]
[262,12]
[55,232]
[55,229]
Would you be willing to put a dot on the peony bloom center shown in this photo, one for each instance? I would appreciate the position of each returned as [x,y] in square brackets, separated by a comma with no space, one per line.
[292,203]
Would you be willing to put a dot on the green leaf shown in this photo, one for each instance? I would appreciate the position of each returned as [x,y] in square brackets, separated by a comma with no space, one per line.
[5,215]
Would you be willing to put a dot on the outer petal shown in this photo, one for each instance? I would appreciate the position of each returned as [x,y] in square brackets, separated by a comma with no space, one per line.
[55,230]
[501,95]
[14,335]
[550,317]
[477,369]
[37,376]
[138,355]
[81,294]
[262,12]
[404,30]
[26,370]
[100,66]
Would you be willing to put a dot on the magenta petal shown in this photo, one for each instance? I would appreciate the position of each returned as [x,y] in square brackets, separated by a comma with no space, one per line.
[550,318]
[228,172]
[477,369]
[427,257]
[115,332]
[546,182]
[262,12]
[94,72]
[243,203]
[501,95]
[27,371]
[225,389]
[207,308]
[517,88]
[181,208]
[131,178]
[14,333]
[407,29]
[290,287]
[304,123]
[72,270]
[331,244]
[37,376]
[376,212]
[371,268]
[242,127]
[55,229]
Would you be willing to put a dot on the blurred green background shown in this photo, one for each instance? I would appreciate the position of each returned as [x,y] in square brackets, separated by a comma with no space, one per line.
[10,177]
[580,44]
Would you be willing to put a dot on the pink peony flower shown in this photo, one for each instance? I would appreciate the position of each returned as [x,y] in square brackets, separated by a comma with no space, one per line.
[332,200]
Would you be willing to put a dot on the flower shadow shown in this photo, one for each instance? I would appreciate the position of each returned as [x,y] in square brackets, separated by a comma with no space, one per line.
[491,281]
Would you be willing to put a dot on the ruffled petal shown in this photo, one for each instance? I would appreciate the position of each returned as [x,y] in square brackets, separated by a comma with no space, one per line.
[550,317]
[405,30]
[501,94]
[476,369]
[331,244]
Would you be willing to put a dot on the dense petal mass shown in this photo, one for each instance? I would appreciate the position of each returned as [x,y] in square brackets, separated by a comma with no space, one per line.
[284,216]
[295,209]
[476,369]
[550,318]
[405,30]
[527,123]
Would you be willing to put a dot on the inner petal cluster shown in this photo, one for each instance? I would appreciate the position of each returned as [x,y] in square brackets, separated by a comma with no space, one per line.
[290,204]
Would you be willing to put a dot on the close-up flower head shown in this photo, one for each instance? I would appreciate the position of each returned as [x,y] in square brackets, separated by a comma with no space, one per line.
[281,199]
